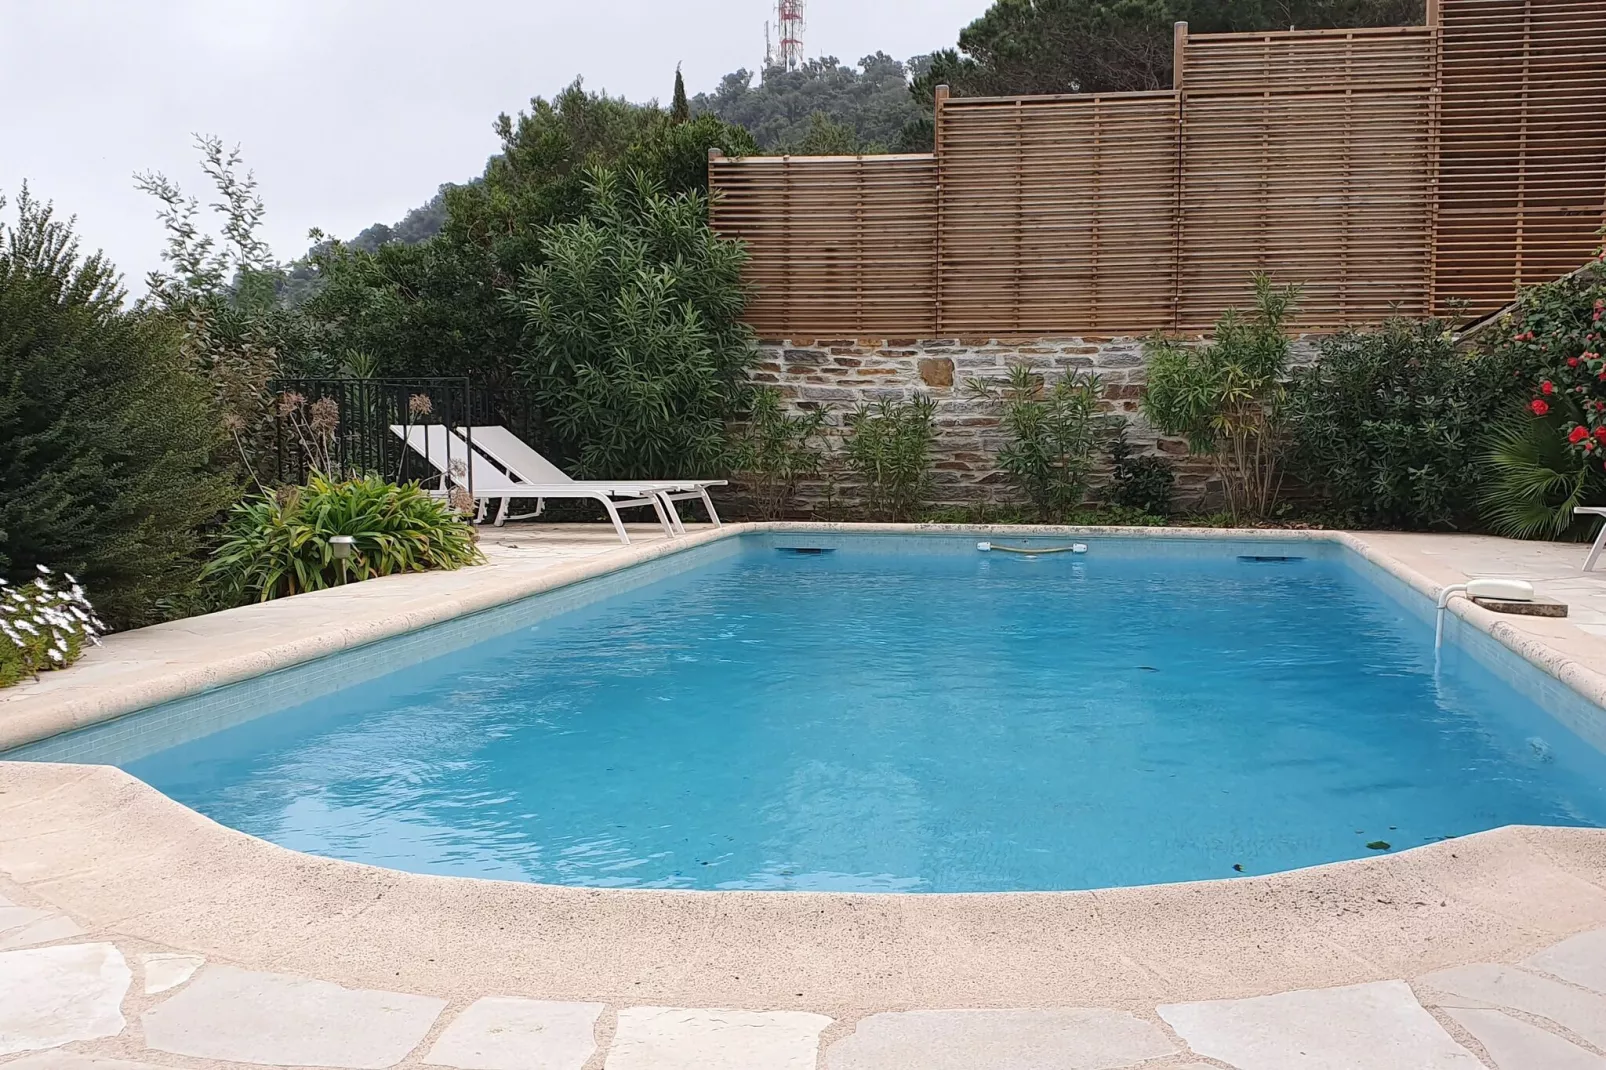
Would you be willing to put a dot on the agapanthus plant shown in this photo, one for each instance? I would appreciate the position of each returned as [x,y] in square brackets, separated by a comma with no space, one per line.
[44,625]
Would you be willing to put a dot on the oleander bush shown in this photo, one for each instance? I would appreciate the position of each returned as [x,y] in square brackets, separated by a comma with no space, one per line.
[776,450]
[887,447]
[635,347]
[1390,426]
[44,625]
[1228,397]
[277,544]
[1052,433]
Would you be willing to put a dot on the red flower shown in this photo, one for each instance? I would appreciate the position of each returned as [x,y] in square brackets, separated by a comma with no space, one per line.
[1600,432]
[1577,434]
[1572,362]
[1547,387]
[1539,407]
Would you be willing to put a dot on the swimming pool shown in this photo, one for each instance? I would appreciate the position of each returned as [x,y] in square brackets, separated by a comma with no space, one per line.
[910,714]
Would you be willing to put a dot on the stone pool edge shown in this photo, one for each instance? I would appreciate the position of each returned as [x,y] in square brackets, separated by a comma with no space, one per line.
[30,718]
[130,864]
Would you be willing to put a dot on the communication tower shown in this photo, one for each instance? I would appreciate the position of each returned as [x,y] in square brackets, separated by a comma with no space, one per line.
[789,26]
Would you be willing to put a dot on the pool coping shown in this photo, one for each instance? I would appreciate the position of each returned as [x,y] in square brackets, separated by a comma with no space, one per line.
[28,718]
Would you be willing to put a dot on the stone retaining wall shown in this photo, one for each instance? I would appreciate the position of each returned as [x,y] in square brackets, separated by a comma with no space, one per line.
[840,373]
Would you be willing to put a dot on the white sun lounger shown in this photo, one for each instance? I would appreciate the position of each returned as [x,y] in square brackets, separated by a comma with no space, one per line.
[1600,540]
[522,461]
[451,456]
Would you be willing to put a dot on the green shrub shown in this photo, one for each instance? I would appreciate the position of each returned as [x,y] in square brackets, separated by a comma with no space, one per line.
[777,450]
[107,438]
[888,447]
[1227,397]
[1052,433]
[635,347]
[1390,425]
[278,544]
[44,625]
[1144,483]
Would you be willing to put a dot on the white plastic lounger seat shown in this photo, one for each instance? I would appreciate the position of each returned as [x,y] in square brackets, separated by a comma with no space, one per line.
[1600,539]
[519,458]
[451,456]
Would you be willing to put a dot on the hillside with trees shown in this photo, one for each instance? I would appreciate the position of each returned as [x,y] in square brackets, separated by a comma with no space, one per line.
[1104,46]
[789,111]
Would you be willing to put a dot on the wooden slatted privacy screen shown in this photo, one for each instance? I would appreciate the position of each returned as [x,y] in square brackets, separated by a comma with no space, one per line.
[1403,168]
[1307,155]
[1522,134]
[1057,213]
[836,244]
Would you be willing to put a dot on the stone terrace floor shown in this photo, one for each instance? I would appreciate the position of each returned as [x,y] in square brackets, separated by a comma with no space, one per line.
[77,1004]
[76,995]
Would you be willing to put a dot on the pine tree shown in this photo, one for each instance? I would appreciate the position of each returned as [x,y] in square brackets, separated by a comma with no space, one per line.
[680,110]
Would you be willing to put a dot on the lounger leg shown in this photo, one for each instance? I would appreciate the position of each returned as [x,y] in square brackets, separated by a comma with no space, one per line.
[676,525]
[663,517]
[1594,551]
[708,503]
[618,525]
[501,513]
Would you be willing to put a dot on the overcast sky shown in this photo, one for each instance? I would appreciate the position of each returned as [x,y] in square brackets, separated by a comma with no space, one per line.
[352,111]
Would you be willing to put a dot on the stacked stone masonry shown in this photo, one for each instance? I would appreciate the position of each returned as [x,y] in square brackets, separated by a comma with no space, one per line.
[841,373]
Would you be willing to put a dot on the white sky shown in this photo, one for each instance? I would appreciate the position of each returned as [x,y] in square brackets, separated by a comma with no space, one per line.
[351,111]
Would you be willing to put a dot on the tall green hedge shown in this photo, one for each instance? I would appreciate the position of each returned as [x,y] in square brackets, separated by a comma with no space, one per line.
[108,438]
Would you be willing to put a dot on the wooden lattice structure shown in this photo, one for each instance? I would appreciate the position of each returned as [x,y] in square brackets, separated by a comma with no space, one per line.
[1405,169]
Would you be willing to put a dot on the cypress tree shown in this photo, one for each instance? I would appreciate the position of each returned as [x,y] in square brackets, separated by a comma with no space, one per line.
[680,110]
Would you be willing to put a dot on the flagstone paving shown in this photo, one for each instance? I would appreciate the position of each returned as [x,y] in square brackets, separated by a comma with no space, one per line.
[65,1007]
[245,1016]
[1064,1039]
[500,1033]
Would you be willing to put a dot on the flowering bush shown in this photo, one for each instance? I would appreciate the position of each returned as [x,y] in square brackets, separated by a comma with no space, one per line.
[43,627]
[1561,329]
[1552,457]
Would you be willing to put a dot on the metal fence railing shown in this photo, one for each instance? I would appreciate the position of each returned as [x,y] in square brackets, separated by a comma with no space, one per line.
[353,427]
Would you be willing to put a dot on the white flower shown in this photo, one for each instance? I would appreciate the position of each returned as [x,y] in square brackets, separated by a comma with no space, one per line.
[43,569]
[55,655]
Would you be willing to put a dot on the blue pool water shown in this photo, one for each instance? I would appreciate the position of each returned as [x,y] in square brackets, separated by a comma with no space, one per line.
[877,719]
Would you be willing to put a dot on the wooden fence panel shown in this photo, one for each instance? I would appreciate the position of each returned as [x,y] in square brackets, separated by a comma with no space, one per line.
[836,245]
[1057,214]
[1522,169]
[1400,169]
[1306,154]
